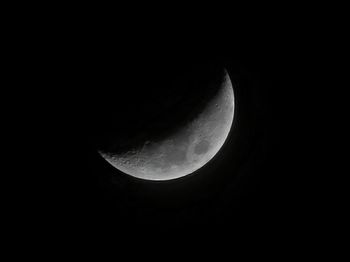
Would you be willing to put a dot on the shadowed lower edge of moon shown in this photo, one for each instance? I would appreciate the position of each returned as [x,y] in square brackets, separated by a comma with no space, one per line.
[186,151]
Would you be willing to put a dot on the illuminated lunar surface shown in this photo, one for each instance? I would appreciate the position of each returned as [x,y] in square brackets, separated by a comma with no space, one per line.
[189,148]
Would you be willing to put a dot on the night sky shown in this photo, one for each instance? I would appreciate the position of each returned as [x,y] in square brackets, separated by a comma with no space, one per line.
[119,81]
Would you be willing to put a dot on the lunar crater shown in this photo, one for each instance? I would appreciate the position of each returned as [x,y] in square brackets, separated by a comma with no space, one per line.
[202,147]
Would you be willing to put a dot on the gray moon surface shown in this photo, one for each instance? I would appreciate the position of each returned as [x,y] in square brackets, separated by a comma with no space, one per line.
[188,149]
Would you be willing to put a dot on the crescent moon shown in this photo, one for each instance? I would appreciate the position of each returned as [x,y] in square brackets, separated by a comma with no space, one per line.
[188,149]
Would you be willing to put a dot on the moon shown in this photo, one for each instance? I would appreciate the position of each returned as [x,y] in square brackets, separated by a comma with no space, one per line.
[185,150]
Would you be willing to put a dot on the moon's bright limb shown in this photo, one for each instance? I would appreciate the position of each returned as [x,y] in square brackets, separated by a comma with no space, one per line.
[185,151]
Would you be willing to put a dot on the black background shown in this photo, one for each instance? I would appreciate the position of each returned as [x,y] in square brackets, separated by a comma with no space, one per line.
[113,76]
[76,72]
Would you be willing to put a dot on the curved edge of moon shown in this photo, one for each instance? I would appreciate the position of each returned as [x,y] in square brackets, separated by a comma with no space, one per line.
[186,151]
